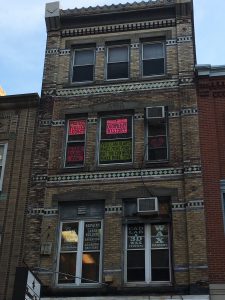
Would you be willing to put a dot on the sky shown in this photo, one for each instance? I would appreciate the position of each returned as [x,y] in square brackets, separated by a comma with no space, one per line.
[23,38]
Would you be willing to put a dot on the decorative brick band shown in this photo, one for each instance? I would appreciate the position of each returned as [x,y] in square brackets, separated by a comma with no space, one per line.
[43,211]
[118,175]
[172,42]
[118,28]
[138,116]
[113,209]
[118,88]
[193,204]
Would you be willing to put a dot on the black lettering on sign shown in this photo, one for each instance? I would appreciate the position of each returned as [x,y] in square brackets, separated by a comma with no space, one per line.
[92,235]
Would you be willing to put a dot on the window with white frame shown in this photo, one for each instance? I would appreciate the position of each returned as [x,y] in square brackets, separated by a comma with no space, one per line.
[153,59]
[118,62]
[147,253]
[3,150]
[75,142]
[83,65]
[116,139]
[157,135]
[80,252]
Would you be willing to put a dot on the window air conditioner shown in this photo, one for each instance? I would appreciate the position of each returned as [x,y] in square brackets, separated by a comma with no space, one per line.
[155,112]
[147,205]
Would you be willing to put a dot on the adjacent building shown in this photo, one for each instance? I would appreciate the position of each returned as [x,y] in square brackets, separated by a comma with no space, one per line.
[18,115]
[211,104]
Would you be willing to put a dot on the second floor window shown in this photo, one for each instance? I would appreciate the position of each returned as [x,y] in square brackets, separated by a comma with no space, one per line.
[75,143]
[83,65]
[118,62]
[153,59]
[116,139]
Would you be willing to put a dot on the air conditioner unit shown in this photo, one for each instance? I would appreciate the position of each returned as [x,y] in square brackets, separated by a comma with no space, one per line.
[147,205]
[155,112]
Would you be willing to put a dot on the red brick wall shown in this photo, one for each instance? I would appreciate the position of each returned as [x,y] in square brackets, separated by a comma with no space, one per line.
[211,103]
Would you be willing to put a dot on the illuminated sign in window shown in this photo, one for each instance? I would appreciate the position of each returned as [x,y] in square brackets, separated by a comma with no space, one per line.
[116,140]
[75,148]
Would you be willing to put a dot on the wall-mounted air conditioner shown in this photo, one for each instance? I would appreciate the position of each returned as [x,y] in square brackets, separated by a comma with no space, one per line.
[147,205]
[155,112]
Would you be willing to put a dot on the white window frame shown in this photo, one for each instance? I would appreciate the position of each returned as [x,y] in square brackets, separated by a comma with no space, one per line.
[147,250]
[68,142]
[78,271]
[73,65]
[107,61]
[5,147]
[99,139]
[142,59]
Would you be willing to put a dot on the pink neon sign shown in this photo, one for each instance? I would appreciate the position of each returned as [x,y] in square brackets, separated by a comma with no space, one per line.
[116,126]
[77,127]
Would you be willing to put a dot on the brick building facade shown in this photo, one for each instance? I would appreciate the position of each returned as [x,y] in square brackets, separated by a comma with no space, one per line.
[18,115]
[211,100]
[116,203]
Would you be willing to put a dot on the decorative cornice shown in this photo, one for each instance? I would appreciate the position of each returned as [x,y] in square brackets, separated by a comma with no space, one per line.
[118,28]
[139,116]
[115,7]
[118,175]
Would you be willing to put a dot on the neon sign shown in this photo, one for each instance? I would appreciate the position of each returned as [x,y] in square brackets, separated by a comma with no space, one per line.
[116,126]
[77,127]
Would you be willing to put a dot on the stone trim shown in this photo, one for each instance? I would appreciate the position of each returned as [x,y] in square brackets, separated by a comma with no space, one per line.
[43,211]
[137,116]
[117,88]
[113,209]
[185,268]
[118,28]
[172,42]
[118,175]
[193,204]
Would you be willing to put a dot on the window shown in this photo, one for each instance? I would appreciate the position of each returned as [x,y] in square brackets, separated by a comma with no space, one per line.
[153,59]
[147,253]
[75,143]
[80,252]
[156,131]
[3,149]
[117,62]
[116,135]
[83,65]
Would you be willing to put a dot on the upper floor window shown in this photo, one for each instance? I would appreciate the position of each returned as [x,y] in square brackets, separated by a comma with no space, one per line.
[83,65]
[3,149]
[153,59]
[116,139]
[80,252]
[118,62]
[156,134]
[75,142]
